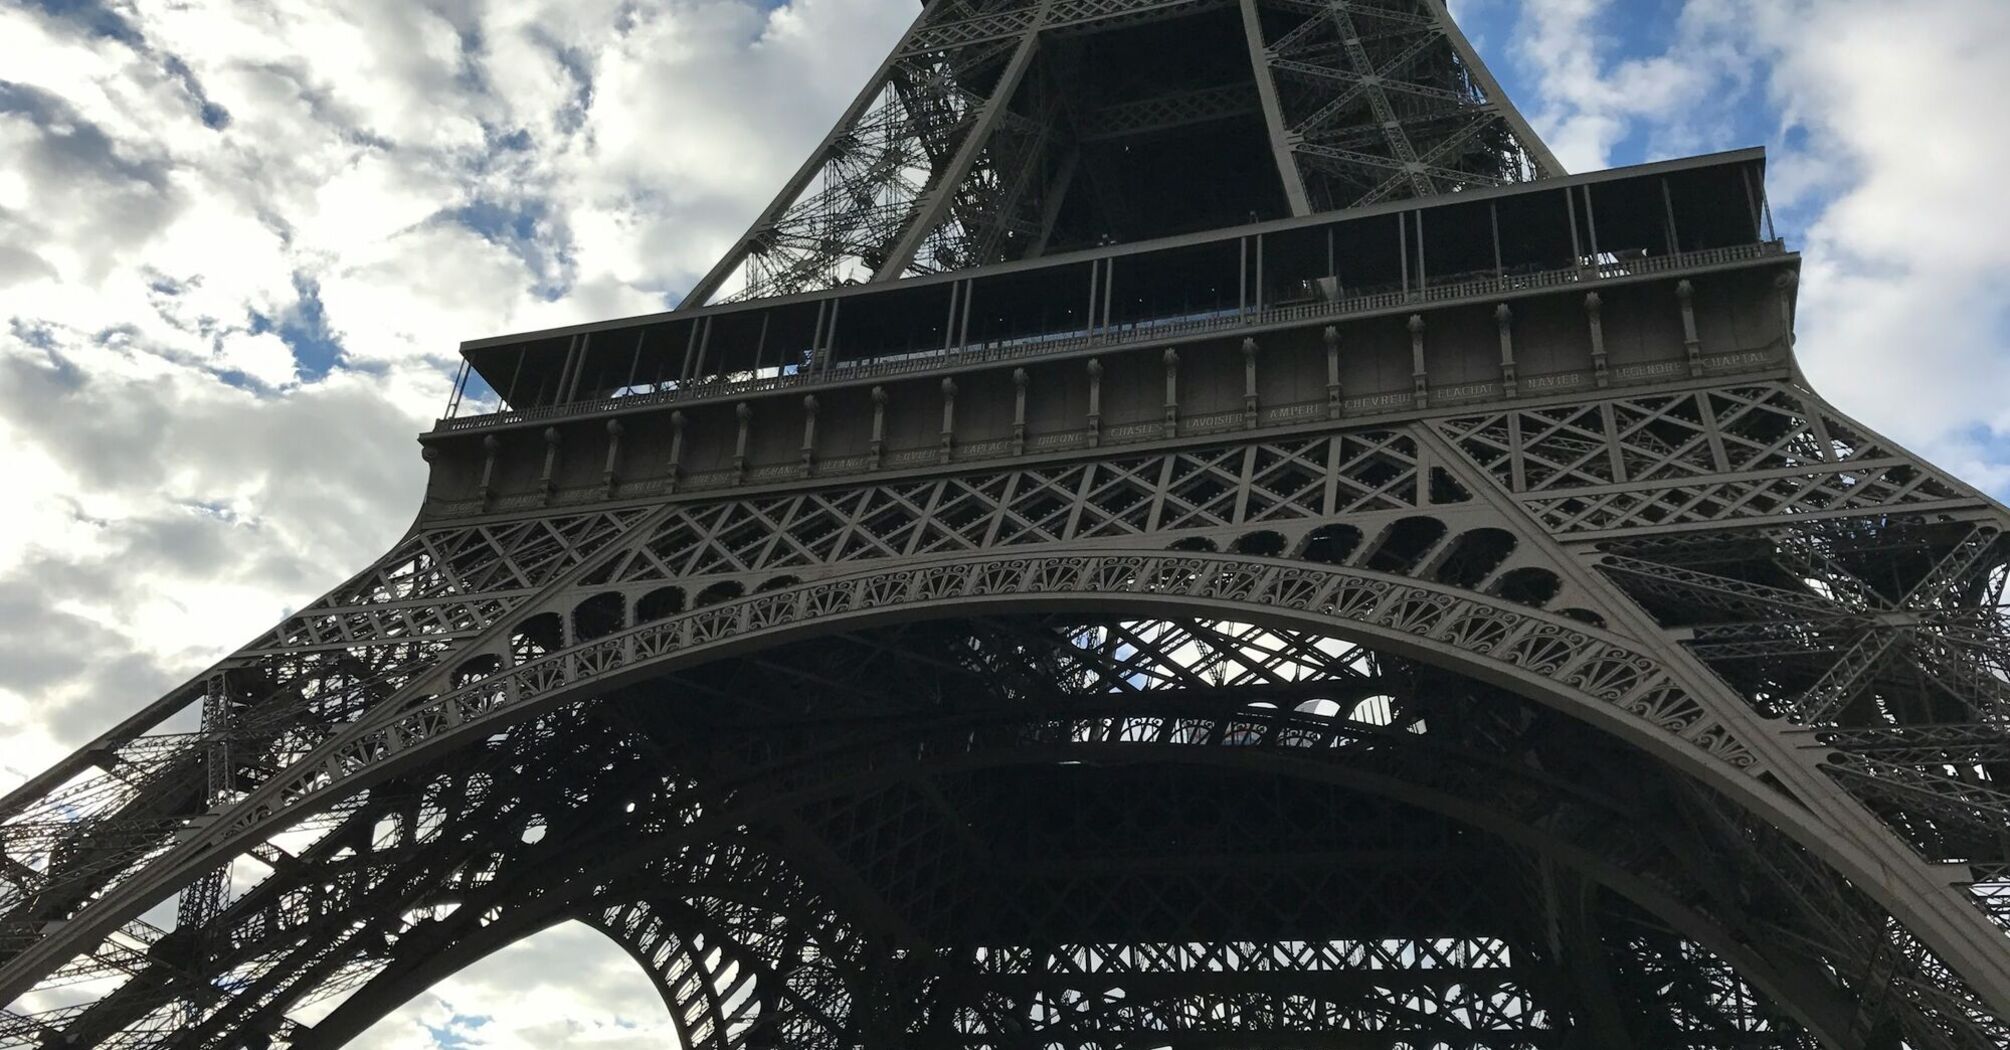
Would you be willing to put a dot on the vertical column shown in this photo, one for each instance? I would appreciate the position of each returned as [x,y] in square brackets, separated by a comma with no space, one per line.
[878,445]
[1171,359]
[1249,412]
[490,445]
[635,362]
[1685,293]
[928,212]
[1504,321]
[1594,306]
[745,414]
[1095,278]
[548,483]
[1273,113]
[1018,411]
[515,379]
[949,322]
[613,459]
[684,367]
[1419,379]
[1334,395]
[575,363]
[460,388]
[948,420]
[676,466]
[1095,402]
[809,449]
[1784,284]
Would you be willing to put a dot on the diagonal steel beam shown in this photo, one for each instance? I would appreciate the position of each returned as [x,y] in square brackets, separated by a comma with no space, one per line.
[708,285]
[1261,64]
[934,206]
[1546,163]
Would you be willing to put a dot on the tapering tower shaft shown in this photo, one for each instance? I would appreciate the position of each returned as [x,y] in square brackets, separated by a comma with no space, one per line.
[1011,130]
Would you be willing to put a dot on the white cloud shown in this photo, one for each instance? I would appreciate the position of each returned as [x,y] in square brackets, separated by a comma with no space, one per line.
[239,244]
[1591,98]
[263,357]
[1903,314]
[568,986]
[1885,170]
[201,199]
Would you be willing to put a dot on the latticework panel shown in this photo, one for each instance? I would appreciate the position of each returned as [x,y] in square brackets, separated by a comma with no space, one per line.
[1722,455]
[1382,101]
[863,897]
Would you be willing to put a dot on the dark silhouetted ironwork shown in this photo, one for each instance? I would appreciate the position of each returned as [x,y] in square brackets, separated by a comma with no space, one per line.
[1285,566]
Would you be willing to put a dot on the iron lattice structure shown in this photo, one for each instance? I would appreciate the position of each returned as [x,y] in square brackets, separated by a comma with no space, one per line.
[1002,129]
[1435,613]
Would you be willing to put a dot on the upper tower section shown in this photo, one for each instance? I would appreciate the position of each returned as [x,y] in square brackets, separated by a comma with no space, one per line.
[1001,130]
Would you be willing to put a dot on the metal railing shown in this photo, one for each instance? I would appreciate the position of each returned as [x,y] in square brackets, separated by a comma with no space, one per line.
[1127,335]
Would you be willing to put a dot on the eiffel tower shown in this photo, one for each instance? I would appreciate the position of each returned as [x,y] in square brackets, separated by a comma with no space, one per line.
[1180,527]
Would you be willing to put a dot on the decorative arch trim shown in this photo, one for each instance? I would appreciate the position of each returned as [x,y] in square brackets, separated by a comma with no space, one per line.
[1590,673]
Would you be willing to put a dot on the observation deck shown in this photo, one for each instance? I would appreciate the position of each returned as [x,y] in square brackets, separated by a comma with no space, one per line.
[1623,277]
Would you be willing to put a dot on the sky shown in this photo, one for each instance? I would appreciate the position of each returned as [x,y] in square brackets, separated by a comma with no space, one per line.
[240,242]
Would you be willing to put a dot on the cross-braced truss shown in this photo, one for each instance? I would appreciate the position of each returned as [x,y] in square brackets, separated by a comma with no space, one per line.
[897,773]
[1386,100]
[1664,715]
[785,884]
[994,131]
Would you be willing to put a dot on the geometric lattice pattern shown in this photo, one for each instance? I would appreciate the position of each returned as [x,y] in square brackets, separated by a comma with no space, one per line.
[982,132]
[1719,455]
[1386,100]
[921,882]
[1672,715]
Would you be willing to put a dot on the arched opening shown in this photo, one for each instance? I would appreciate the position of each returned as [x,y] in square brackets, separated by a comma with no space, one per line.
[1528,586]
[1404,543]
[476,668]
[1164,809]
[1263,544]
[598,616]
[1064,673]
[723,591]
[659,604]
[1331,544]
[1378,710]
[1473,556]
[1194,544]
[1584,616]
[567,986]
[537,636]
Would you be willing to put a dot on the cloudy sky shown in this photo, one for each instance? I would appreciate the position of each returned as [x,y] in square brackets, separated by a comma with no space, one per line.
[239,242]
